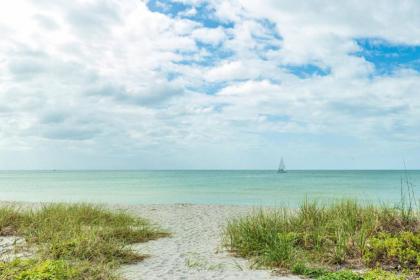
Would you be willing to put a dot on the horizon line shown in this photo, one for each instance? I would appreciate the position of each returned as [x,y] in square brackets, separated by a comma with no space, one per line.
[209,169]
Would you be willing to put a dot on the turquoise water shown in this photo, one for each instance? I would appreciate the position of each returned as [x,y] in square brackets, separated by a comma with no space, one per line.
[208,187]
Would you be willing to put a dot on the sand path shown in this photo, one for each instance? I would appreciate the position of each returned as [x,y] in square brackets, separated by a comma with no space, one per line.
[194,250]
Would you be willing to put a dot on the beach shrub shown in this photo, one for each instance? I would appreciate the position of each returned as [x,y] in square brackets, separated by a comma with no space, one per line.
[324,274]
[89,246]
[379,274]
[85,232]
[261,235]
[300,268]
[341,275]
[65,236]
[341,234]
[280,251]
[10,218]
[401,250]
[33,270]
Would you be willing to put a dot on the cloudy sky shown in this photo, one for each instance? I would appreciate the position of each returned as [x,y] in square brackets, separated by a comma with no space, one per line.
[114,84]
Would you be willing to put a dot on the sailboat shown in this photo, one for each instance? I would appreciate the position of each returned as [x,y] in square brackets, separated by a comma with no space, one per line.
[282,167]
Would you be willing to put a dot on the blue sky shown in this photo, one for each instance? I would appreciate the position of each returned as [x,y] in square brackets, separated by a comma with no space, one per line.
[106,84]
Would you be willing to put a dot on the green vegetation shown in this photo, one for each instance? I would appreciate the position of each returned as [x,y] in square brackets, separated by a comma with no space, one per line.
[379,274]
[73,241]
[30,269]
[341,275]
[301,269]
[325,274]
[401,249]
[319,240]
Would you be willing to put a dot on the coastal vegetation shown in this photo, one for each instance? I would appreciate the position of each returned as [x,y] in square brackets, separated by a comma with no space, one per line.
[332,241]
[77,241]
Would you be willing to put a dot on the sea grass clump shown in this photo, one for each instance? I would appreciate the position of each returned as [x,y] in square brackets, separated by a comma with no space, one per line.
[315,240]
[79,241]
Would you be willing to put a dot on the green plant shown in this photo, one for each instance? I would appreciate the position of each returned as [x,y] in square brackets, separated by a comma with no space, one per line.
[91,238]
[341,275]
[10,218]
[343,233]
[280,250]
[379,274]
[402,249]
[34,270]
[301,269]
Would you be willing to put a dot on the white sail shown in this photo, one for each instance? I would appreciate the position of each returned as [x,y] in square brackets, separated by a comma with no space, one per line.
[282,166]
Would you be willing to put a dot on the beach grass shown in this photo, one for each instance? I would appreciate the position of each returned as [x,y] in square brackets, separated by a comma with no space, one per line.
[320,240]
[73,241]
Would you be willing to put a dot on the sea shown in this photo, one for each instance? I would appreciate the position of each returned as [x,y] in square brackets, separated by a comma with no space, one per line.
[231,187]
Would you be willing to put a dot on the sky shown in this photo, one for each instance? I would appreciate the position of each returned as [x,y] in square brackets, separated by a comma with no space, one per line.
[194,84]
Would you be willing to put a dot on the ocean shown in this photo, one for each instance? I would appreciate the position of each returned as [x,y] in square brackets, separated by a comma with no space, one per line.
[238,187]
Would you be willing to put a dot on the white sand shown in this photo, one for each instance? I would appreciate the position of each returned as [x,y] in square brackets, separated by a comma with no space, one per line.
[8,248]
[194,251]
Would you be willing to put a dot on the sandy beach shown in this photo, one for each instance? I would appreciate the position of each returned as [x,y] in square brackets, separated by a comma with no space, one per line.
[194,250]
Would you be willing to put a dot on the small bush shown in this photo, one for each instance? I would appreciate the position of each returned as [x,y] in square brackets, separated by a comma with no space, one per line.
[379,274]
[341,275]
[89,246]
[323,274]
[33,270]
[84,232]
[301,269]
[280,251]
[10,219]
[402,250]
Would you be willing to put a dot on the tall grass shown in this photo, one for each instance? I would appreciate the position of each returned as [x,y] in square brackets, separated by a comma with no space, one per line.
[408,202]
[90,238]
[329,236]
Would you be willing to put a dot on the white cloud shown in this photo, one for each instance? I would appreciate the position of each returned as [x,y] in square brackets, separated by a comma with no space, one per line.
[318,30]
[213,36]
[102,78]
